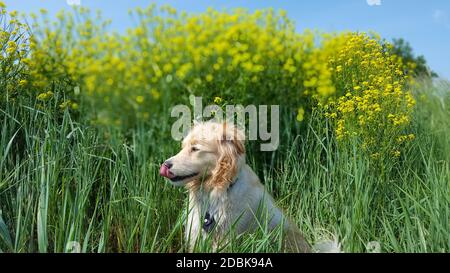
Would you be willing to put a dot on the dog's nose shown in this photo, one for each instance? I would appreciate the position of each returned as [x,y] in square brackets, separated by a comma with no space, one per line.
[168,164]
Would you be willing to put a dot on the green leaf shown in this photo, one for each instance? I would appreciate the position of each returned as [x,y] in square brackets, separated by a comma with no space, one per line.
[4,233]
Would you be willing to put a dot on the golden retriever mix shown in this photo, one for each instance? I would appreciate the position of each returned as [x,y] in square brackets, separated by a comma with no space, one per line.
[224,192]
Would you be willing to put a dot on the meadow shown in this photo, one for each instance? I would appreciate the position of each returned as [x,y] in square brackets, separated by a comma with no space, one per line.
[85,124]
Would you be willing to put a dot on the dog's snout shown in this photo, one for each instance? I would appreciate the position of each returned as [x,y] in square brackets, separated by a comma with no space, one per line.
[168,164]
[165,169]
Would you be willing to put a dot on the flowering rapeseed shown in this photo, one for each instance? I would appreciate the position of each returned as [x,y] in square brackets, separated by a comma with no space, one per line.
[251,57]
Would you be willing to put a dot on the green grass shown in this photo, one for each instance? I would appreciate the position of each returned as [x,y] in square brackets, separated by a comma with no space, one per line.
[62,180]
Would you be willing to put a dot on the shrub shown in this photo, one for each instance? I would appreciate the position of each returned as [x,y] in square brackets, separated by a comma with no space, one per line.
[249,58]
[365,92]
[13,58]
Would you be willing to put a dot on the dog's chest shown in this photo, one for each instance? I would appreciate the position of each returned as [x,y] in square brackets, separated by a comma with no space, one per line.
[220,210]
[209,213]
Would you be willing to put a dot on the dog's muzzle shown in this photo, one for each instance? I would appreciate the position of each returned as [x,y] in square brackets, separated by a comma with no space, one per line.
[164,171]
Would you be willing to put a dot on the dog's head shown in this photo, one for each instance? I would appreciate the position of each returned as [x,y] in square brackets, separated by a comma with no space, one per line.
[211,153]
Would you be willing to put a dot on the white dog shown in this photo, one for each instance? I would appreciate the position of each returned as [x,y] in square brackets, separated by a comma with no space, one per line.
[224,192]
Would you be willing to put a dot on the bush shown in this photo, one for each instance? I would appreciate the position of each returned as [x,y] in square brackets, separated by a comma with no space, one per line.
[417,64]
[372,101]
[248,58]
[13,58]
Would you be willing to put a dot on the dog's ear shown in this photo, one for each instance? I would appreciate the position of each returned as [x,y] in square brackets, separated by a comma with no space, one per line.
[231,149]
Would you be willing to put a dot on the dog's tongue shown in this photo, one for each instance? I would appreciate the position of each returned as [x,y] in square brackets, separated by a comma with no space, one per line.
[164,171]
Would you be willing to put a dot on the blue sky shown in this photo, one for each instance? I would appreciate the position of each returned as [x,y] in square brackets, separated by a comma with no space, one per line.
[425,24]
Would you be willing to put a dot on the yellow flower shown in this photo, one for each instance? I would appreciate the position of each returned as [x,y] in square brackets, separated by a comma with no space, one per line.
[218,100]
[65,105]
[300,114]
[155,94]
[140,99]
[209,78]
[12,47]
[45,96]
[167,67]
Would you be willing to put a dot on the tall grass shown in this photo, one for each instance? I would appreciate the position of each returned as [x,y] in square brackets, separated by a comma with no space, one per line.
[63,181]
[73,178]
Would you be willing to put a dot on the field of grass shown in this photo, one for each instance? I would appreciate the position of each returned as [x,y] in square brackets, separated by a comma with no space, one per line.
[65,178]
[62,181]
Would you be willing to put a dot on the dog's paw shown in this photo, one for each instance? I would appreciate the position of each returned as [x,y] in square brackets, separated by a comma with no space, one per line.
[327,247]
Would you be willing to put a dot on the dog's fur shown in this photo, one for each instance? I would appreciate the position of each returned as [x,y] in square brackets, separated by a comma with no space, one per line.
[211,165]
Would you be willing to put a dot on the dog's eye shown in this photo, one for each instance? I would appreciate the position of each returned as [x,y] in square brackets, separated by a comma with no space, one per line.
[195,149]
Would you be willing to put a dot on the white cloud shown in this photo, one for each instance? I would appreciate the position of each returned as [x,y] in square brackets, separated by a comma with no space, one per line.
[374,2]
[441,17]
[73,2]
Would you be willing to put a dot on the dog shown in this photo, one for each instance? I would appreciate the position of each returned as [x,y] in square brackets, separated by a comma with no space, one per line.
[224,192]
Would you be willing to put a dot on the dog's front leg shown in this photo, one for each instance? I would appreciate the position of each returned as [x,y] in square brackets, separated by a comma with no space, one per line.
[192,229]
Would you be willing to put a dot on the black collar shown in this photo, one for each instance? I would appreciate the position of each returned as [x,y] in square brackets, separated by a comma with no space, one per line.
[234,181]
[208,223]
